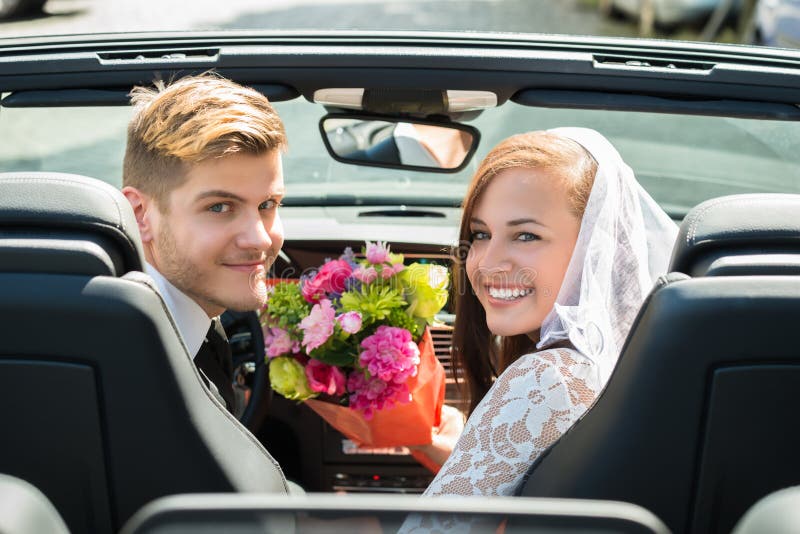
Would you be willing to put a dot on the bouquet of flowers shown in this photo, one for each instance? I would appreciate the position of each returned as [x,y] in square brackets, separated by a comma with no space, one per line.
[351,340]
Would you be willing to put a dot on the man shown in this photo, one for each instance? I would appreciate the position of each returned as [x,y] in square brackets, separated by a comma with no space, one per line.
[203,174]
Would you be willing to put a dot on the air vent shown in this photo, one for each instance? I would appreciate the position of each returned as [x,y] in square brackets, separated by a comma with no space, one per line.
[402,213]
[442,341]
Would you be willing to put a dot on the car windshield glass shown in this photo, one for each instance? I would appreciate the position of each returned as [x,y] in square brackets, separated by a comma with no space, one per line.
[772,23]
[681,160]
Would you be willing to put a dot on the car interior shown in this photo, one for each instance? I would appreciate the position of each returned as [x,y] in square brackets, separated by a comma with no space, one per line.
[105,412]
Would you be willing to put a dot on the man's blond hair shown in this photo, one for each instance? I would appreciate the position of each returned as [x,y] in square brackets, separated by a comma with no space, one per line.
[192,120]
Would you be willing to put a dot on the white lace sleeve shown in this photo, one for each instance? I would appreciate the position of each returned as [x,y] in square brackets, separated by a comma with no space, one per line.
[529,406]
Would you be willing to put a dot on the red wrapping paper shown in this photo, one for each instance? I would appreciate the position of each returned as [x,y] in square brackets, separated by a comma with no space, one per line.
[403,424]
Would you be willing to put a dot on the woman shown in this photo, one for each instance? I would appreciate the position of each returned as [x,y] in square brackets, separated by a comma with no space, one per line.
[562,246]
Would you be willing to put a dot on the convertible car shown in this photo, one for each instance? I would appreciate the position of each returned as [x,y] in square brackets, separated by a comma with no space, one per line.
[103,412]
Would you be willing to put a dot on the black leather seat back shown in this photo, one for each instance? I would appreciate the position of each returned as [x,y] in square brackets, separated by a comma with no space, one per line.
[52,222]
[724,235]
[698,420]
[102,407]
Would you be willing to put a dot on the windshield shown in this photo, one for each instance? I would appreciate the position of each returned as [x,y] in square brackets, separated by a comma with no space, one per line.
[772,23]
[681,160]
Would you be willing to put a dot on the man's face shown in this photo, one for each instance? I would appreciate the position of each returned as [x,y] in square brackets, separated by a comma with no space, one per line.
[221,231]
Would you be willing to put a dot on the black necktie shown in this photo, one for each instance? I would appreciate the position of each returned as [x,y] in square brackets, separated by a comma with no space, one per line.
[215,360]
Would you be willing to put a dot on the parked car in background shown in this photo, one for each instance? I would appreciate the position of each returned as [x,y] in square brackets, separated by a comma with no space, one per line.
[777,23]
[13,8]
[665,13]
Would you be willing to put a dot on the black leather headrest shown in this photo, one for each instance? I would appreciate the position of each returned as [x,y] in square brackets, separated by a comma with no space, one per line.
[737,225]
[53,222]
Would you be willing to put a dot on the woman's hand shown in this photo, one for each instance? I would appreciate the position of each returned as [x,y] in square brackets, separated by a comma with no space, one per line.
[444,437]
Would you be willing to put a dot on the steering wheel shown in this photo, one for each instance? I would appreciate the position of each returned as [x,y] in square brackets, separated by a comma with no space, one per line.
[250,376]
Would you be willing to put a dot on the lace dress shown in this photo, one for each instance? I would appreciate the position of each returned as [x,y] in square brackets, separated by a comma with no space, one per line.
[530,405]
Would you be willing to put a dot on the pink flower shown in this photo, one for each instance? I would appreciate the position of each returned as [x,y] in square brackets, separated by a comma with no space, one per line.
[324,378]
[350,322]
[365,275]
[278,342]
[331,278]
[317,327]
[390,354]
[377,252]
[398,267]
[370,394]
[387,272]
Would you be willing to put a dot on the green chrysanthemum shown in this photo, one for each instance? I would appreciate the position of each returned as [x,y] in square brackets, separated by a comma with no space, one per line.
[286,306]
[401,319]
[374,303]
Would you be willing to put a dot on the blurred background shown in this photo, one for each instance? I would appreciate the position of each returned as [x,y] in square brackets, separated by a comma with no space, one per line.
[765,22]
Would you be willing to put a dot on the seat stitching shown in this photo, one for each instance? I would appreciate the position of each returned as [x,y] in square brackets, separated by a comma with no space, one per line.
[87,187]
[43,179]
[697,219]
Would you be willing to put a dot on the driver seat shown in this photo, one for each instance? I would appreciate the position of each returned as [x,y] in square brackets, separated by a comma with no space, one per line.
[698,420]
[103,409]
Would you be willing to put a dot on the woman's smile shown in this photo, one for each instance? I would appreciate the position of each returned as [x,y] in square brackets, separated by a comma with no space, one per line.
[506,295]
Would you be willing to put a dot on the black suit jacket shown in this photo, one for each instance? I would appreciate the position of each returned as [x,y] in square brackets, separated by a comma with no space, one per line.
[217,366]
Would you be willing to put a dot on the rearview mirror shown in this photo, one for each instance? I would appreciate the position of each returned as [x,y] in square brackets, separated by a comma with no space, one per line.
[402,144]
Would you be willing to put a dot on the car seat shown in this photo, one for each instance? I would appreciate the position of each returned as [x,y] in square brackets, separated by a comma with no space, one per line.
[103,409]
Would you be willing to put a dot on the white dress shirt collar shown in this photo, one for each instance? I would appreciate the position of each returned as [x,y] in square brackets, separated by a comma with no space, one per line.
[193,323]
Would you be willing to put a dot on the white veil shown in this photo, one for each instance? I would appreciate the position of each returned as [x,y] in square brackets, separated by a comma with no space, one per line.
[624,244]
